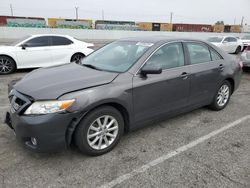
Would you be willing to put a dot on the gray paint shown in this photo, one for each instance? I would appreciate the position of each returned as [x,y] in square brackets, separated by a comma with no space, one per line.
[144,98]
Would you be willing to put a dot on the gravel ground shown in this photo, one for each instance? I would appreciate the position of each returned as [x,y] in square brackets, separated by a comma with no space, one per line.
[221,161]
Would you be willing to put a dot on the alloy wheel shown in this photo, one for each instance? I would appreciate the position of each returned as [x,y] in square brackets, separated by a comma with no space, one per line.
[223,95]
[6,65]
[102,132]
[77,58]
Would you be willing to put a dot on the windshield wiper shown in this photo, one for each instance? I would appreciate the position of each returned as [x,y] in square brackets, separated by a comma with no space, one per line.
[92,67]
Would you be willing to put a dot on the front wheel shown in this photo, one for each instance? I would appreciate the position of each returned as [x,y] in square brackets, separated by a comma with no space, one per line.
[222,96]
[99,131]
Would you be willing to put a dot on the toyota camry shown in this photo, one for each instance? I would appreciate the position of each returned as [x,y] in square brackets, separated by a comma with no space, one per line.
[122,86]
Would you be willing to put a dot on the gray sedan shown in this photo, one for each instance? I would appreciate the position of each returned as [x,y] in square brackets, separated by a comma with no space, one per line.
[120,87]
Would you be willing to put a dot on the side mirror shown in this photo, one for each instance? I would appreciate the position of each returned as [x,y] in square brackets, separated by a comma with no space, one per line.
[24,46]
[150,70]
[225,41]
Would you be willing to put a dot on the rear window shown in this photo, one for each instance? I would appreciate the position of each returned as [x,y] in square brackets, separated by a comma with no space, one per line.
[60,41]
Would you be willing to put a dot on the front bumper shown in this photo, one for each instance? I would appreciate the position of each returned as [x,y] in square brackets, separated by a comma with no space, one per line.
[50,130]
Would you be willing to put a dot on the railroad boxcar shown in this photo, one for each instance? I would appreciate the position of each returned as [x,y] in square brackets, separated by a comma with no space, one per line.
[115,25]
[16,21]
[235,29]
[192,27]
[218,28]
[69,23]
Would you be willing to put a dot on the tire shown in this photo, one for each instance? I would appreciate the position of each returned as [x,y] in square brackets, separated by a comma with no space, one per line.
[218,104]
[7,65]
[238,50]
[77,58]
[89,126]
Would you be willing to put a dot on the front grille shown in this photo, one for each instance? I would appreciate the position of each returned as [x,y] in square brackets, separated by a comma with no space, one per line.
[18,102]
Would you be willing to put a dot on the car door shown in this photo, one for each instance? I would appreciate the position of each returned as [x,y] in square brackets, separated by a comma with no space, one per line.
[35,52]
[206,67]
[233,44]
[226,44]
[62,48]
[159,94]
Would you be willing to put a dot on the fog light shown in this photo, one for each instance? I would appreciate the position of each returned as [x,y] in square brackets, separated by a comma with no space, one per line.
[33,141]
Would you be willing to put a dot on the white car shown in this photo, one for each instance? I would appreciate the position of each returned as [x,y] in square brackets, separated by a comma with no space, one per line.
[246,41]
[229,44]
[42,51]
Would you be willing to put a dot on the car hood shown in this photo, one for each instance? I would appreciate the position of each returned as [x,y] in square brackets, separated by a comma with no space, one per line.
[4,48]
[51,83]
[245,40]
[216,43]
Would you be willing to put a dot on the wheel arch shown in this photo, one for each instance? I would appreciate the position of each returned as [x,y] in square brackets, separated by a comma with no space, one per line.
[75,54]
[9,56]
[231,81]
[118,106]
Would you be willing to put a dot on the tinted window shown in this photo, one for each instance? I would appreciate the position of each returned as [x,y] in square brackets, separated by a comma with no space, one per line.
[38,42]
[60,41]
[215,56]
[227,39]
[198,53]
[215,39]
[232,39]
[168,56]
[247,37]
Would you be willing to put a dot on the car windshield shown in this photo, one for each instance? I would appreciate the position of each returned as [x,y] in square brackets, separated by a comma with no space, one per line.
[215,39]
[19,40]
[117,56]
[247,37]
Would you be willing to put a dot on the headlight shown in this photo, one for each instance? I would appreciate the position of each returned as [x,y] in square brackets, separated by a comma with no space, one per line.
[47,107]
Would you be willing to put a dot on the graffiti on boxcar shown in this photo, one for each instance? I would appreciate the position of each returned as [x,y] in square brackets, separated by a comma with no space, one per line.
[18,22]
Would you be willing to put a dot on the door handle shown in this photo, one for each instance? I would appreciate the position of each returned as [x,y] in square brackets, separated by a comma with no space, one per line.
[221,67]
[184,75]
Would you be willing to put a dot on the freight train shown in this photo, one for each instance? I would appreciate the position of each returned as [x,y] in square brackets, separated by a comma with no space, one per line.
[10,21]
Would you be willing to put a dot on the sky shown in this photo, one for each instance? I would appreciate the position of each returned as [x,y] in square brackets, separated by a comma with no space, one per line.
[184,11]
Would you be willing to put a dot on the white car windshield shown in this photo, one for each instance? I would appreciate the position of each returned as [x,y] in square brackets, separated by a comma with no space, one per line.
[215,39]
[117,56]
[247,37]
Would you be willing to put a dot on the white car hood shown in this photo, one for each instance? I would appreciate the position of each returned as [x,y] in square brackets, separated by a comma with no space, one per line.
[5,48]
[216,43]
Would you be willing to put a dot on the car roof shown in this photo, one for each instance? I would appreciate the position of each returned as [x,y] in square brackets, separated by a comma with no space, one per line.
[158,39]
[58,35]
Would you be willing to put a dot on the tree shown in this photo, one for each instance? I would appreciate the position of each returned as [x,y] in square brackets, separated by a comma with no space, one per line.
[219,23]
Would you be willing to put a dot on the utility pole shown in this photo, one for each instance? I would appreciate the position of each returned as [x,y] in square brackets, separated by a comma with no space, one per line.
[76,12]
[171,17]
[234,21]
[242,21]
[11,9]
[102,14]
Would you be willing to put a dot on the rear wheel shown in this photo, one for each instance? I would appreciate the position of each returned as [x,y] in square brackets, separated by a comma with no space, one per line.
[99,131]
[77,58]
[222,96]
[238,50]
[7,65]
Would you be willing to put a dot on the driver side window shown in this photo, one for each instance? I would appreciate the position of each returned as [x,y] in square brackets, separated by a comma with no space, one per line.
[168,56]
[38,42]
